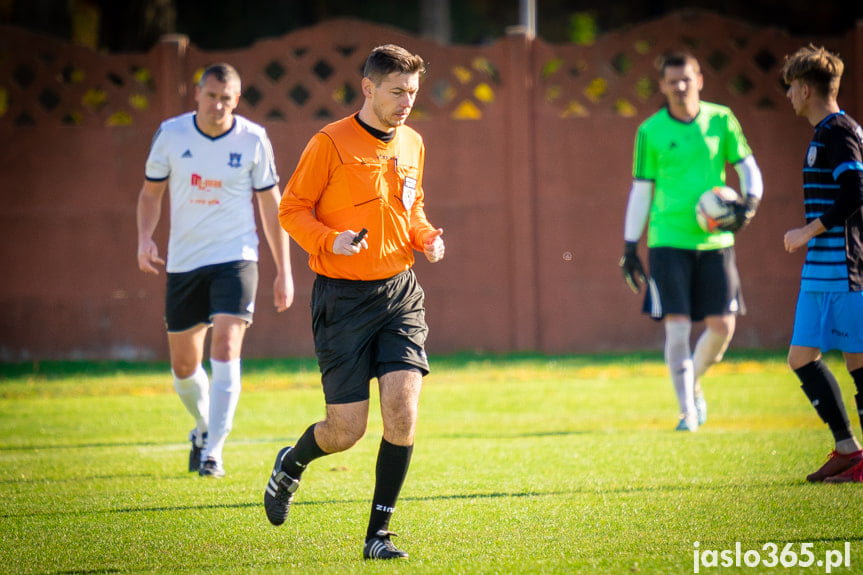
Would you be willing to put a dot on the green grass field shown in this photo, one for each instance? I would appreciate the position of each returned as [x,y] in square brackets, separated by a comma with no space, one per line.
[523,464]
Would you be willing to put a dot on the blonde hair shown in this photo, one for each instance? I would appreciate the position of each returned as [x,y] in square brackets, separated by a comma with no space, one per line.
[815,66]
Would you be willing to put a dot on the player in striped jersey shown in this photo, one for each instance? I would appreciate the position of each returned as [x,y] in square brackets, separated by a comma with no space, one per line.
[830,306]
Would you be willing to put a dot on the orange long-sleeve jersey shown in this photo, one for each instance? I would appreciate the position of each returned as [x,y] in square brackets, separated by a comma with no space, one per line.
[347,179]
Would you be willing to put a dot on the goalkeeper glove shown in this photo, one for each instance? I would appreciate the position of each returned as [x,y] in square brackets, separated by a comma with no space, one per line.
[633,271]
[743,211]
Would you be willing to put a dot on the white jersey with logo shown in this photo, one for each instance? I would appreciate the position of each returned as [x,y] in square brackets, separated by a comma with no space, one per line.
[211,183]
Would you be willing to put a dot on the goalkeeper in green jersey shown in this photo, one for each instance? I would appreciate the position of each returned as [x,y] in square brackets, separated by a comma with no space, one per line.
[681,152]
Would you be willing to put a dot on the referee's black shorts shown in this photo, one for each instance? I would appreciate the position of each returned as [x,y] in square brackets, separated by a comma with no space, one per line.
[365,329]
[694,283]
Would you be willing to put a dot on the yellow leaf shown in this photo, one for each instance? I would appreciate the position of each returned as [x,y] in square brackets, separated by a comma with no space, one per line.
[143,76]
[481,64]
[550,67]
[484,93]
[596,89]
[467,110]
[94,99]
[462,74]
[553,93]
[574,110]
[139,102]
[119,119]
[624,108]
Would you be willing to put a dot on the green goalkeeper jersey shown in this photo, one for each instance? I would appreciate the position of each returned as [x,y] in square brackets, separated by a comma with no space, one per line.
[684,160]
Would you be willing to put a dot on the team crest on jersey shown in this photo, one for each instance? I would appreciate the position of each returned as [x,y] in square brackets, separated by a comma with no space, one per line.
[409,192]
[810,157]
[234,162]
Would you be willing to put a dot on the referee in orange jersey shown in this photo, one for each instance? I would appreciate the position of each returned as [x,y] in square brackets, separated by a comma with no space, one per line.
[355,204]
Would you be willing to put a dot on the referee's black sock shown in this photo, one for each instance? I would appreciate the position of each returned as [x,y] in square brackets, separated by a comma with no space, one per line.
[390,473]
[822,389]
[305,451]
[857,374]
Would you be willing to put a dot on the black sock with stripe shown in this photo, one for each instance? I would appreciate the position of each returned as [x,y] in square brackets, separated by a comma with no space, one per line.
[390,473]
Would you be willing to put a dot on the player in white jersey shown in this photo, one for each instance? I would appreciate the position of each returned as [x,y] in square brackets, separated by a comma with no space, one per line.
[213,163]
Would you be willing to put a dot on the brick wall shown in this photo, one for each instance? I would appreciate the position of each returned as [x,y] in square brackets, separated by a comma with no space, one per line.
[529,152]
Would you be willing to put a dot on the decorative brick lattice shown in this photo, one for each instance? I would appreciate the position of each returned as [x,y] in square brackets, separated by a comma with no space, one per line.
[617,75]
[315,74]
[45,82]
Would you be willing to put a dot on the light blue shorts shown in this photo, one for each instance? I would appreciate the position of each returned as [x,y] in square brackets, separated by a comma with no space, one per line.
[829,320]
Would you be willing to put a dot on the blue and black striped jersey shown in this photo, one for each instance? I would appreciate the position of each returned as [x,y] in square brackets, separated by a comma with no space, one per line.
[833,192]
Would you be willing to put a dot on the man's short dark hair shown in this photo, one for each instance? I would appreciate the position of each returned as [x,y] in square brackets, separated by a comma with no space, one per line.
[224,73]
[389,58]
[678,59]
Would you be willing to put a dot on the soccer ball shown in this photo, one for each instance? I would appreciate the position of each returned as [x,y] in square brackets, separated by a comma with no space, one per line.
[715,206]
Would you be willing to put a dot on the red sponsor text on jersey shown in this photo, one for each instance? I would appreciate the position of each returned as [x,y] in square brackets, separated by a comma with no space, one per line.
[203,184]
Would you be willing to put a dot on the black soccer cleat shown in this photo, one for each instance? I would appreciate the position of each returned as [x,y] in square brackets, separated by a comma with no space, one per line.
[280,491]
[380,547]
[195,452]
[211,468]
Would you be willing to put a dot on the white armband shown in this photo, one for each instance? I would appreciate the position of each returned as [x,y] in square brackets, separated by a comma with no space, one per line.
[751,183]
[637,209]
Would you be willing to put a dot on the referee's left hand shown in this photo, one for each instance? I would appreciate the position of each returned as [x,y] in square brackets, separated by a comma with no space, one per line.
[433,246]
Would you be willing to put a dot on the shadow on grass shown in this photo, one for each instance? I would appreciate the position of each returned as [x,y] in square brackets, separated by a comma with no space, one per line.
[52,369]
[136,444]
[57,369]
[276,440]
[52,481]
[512,435]
[586,490]
[90,571]
[99,445]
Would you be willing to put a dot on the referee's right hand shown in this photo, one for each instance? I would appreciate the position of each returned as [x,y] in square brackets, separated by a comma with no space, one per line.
[344,244]
[630,264]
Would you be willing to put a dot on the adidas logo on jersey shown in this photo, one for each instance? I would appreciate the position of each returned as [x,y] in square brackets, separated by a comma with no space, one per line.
[187,154]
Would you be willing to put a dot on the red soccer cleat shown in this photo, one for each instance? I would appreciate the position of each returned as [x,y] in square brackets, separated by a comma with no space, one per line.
[852,475]
[836,463]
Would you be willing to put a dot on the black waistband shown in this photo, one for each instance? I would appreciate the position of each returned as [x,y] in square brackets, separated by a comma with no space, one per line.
[370,283]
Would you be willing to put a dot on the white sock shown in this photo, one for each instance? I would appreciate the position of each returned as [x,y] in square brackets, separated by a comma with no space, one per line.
[709,349]
[194,392]
[224,396]
[678,357]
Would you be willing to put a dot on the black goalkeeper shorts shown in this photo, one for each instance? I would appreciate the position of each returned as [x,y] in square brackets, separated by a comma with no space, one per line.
[694,283]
